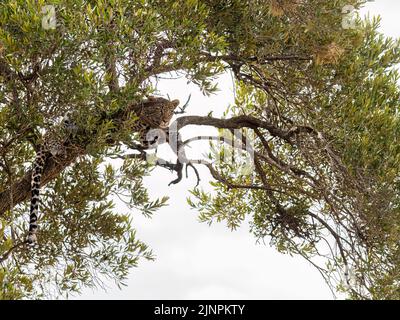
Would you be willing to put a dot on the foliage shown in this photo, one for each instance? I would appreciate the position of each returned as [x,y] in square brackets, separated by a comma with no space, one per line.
[331,191]
[321,101]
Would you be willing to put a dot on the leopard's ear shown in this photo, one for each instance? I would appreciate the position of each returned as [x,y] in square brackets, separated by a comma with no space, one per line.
[175,102]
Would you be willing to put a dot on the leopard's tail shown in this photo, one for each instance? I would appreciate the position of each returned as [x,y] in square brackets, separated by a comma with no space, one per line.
[35,199]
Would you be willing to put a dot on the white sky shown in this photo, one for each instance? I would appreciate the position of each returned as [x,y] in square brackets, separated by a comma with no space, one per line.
[195,261]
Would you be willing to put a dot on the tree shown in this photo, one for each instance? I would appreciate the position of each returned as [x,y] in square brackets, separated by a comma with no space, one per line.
[321,100]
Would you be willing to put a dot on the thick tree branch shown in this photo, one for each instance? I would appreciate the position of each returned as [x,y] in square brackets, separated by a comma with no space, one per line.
[233,123]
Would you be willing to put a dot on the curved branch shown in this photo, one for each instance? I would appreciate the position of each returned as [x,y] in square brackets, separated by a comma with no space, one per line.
[232,123]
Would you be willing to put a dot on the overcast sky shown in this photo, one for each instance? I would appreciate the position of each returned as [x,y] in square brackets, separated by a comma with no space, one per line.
[196,261]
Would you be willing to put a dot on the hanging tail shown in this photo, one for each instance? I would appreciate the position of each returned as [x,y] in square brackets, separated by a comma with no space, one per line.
[35,199]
